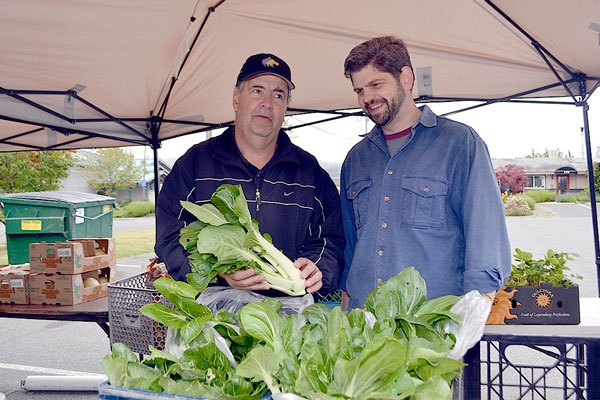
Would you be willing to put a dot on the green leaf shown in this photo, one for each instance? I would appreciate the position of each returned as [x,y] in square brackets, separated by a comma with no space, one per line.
[261,364]
[140,376]
[202,275]
[190,388]
[160,358]
[226,242]
[263,323]
[207,213]
[194,328]
[435,388]
[208,357]
[164,315]
[401,294]
[188,235]
[380,364]
[170,288]
[224,198]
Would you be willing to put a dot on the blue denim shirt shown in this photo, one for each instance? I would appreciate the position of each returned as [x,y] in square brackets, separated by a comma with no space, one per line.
[434,205]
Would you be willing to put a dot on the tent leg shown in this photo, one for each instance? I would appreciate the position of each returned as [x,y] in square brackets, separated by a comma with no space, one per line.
[154,128]
[157,175]
[590,166]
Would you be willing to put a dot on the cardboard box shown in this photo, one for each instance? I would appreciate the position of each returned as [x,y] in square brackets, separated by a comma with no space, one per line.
[545,304]
[68,289]
[72,257]
[14,284]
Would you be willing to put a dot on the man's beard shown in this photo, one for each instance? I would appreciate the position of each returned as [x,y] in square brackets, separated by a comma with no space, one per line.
[391,109]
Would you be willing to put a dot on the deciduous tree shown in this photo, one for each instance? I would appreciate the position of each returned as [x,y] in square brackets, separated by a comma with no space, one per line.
[33,171]
[512,178]
[111,170]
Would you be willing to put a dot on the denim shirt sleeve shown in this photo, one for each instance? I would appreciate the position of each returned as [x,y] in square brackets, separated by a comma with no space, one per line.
[349,227]
[487,248]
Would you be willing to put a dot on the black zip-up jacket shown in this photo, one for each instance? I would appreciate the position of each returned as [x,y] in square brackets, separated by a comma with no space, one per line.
[292,197]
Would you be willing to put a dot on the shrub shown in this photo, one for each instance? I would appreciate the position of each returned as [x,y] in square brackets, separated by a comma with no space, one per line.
[139,208]
[541,195]
[517,206]
[123,203]
[567,198]
[529,200]
[584,195]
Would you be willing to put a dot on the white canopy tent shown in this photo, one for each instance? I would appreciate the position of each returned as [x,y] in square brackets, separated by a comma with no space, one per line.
[88,74]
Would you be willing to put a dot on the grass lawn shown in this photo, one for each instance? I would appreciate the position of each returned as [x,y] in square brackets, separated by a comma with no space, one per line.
[127,243]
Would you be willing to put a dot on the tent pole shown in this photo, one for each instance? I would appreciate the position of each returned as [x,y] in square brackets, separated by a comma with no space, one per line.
[154,127]
[590,165]
[157,175]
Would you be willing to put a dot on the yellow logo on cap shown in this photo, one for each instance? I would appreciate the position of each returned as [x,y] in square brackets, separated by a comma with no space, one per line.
[270,62]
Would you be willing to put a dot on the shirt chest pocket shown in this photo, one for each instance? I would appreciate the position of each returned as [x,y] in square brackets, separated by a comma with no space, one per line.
[358,195]
[423,202]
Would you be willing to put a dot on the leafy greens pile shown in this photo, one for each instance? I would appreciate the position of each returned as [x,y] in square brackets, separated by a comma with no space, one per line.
[394,348]
[226,238]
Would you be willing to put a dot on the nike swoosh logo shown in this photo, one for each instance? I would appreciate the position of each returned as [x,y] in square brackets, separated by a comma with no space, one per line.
[286,194]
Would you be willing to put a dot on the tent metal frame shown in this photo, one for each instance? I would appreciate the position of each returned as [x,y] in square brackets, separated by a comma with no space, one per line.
[575,86]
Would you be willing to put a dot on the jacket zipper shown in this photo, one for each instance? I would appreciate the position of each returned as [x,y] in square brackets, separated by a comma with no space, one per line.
[257,200]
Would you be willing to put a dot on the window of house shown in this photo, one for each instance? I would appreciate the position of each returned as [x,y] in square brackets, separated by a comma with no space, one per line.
[536,181]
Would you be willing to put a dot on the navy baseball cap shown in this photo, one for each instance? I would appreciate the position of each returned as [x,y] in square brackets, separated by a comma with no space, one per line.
[265,64]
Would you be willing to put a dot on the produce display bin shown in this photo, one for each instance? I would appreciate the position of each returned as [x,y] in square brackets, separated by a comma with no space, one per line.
[108,392]
[127,324]
[53,217]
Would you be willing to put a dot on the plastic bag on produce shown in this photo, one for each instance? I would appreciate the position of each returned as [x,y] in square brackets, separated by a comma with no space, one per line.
[474,309]
[226,298]
[287,396]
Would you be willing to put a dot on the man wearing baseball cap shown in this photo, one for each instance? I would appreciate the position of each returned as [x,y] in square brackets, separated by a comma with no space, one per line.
[293,199]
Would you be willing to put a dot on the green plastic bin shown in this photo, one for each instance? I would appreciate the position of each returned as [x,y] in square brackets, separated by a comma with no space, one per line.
[53,217]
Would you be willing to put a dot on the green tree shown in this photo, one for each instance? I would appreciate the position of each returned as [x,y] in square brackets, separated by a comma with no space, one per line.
[111,170]
[549,153]
[34,171]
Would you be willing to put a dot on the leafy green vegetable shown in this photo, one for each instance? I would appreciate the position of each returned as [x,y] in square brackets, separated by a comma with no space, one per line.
[324,353]
[529,271]
[228,239]
[403,355]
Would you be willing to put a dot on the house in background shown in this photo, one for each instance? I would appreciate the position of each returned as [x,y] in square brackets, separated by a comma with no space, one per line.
[143,190]
[563,175]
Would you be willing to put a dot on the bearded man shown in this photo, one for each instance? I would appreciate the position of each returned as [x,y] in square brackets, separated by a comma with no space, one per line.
[419,190]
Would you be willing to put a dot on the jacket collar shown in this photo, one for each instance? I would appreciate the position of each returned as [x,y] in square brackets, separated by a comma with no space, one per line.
[227,152]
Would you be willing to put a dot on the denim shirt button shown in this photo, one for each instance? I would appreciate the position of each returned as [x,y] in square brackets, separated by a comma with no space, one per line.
[383,226]
[380,253]
[386,198]
[426,189]
[390,171]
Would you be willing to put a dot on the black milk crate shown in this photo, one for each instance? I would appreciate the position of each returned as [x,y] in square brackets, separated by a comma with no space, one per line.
[511,367]
[127,324]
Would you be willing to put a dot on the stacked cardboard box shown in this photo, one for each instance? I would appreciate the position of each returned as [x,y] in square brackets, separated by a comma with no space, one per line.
[71,272]
[14,284]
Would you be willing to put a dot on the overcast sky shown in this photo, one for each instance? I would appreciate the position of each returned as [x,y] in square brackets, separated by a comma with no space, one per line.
[510,131]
